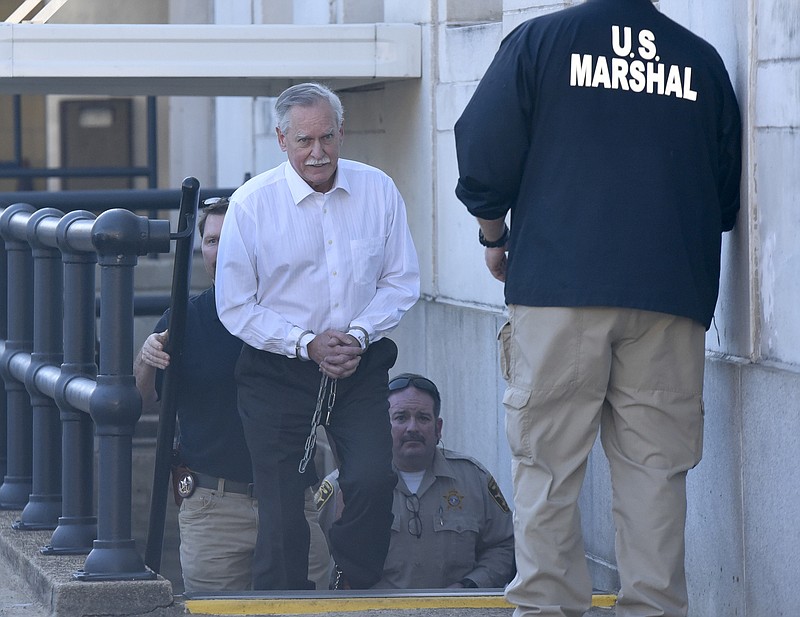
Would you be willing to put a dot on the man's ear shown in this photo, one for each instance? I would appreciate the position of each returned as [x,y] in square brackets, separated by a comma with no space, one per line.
[281,138]
[438,429]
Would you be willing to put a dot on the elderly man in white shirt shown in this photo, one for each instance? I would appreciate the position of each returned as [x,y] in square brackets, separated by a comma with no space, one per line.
[316,265]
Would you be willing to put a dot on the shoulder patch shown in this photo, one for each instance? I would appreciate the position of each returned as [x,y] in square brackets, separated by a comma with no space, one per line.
[323,494]
[497,495]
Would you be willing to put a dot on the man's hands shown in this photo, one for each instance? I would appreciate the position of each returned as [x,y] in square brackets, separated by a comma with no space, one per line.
[337,353]
[153,353]
[497,261]
[151,357]
[496,258]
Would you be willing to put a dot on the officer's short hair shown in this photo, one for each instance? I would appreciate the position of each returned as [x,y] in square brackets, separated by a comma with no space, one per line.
[212,205]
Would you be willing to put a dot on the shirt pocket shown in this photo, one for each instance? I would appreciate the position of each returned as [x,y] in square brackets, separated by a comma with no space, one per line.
[367,256]
[456,538]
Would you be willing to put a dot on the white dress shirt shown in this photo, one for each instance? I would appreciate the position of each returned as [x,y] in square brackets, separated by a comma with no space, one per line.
[293,260]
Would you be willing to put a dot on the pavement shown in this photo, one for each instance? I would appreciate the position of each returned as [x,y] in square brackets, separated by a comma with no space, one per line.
[37,585]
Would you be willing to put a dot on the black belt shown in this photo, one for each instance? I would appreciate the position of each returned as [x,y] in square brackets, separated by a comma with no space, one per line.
[228,486]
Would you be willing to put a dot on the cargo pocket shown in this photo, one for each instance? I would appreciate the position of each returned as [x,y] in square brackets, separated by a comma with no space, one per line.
[504,338]
[700,435]
[518,421]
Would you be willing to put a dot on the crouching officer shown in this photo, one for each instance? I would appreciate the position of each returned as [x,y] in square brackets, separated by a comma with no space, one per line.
[452,527]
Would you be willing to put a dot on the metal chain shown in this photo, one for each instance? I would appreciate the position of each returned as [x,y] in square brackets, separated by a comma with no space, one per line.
[311,440]
[331,401]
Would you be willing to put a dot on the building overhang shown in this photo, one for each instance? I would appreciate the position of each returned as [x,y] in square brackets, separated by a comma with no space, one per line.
[202,60]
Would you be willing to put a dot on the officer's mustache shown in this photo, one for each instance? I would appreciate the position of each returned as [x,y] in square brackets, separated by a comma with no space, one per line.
[413,437]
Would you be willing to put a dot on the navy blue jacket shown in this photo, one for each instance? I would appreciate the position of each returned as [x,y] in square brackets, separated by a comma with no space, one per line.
[211,435]
[614,137]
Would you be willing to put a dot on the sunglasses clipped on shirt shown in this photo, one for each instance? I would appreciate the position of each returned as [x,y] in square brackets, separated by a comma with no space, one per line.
[415,522]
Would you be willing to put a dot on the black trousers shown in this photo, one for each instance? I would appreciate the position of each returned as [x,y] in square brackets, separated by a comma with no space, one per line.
[277,398]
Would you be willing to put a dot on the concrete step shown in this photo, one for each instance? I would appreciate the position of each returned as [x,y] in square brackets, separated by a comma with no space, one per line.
[37,585]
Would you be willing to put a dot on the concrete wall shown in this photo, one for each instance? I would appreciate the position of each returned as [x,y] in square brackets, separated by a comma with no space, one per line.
[743,551]
[775,144]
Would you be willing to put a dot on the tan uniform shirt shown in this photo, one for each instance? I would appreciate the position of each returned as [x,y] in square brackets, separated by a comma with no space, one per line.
[465,527]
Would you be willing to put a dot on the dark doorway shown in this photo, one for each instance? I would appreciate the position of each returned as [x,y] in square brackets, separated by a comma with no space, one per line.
[96,133]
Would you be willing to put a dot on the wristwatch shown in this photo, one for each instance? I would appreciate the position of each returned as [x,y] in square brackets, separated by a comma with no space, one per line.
[501,241]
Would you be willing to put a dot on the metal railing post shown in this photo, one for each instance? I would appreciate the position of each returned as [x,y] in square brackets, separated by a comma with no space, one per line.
[17,483]
[77,527]
[3,336]
[119,237]
[44,503]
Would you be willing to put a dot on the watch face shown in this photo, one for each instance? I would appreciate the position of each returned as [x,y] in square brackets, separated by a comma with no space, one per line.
[186,485]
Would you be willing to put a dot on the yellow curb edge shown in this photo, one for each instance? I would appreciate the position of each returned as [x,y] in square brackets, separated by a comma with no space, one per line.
[309,606]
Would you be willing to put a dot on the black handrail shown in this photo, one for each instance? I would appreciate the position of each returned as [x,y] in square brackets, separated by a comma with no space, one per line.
[101,200]
[177,329]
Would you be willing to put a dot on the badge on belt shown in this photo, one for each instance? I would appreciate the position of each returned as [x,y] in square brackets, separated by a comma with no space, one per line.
[183,480]
[186,484]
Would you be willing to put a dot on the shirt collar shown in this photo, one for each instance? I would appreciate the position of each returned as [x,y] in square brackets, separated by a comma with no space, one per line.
[441,468]
[300,188]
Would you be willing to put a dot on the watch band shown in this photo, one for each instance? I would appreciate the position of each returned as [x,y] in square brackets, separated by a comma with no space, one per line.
[501,241]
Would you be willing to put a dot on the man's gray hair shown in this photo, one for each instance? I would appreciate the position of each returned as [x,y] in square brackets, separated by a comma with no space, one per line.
[305,95]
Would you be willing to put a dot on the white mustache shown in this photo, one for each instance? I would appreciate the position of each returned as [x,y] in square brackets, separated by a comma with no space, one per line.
[322,161]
